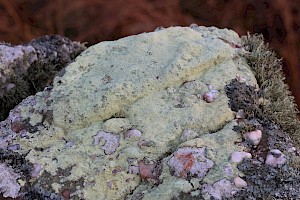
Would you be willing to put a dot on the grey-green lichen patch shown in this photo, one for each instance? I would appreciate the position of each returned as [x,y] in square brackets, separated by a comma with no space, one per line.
[152,83]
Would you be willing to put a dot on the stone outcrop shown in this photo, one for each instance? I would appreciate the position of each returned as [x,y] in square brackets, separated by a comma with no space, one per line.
[143,117]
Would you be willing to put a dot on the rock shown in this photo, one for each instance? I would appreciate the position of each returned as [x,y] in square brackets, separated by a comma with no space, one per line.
[27,69]
[275,158]
[9,184]
[239,156]
[239,183]
[220,189]
[254,136]
[153,83]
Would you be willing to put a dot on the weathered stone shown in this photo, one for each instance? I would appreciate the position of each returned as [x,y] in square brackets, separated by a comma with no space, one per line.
[27,69]
[152,82]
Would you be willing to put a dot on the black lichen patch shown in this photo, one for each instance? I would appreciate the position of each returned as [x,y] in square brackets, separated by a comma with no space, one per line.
[53,52]
[269,182]
[244,97]
[38,193]
[188,196]
[18,162]
[40,188]
[264,182]
[13,95]
[46,179]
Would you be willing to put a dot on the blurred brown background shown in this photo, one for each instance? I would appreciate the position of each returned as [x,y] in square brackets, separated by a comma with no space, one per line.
[97,20]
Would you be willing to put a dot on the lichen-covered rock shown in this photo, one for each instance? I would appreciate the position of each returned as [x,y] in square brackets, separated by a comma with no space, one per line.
[153,83]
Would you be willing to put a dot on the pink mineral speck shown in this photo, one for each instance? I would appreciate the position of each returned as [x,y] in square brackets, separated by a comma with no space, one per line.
[147,170]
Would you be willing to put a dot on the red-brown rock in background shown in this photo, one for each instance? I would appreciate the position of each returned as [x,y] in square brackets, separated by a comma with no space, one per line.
[92,21]
[97,20]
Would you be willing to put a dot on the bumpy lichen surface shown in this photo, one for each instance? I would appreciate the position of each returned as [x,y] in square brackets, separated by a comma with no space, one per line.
[153,83]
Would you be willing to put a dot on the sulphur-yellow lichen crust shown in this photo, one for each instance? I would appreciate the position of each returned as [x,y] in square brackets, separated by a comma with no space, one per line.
[152,82]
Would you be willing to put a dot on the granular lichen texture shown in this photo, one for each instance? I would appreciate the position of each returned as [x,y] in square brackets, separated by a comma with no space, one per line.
[114,125]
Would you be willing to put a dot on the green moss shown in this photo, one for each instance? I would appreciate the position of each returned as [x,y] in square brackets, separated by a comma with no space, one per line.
[279,105]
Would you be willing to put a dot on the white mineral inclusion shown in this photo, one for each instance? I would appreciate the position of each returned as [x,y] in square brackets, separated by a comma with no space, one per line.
[238,156]
[239,183]
[254,136]
[133,133]
[275,158]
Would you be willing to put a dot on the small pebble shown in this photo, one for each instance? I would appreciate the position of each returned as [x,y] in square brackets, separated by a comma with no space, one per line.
[133,133]
[254,136]
[275,158]
[238,156]
[239,183]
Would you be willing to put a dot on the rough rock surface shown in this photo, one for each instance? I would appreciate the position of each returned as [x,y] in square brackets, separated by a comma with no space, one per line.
[27,69]
[153,83]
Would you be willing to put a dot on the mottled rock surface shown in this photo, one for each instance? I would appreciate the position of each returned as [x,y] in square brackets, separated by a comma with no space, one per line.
[152,83]
[27,69]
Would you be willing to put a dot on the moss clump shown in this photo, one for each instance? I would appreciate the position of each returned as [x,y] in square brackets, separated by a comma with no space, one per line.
[279,105]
